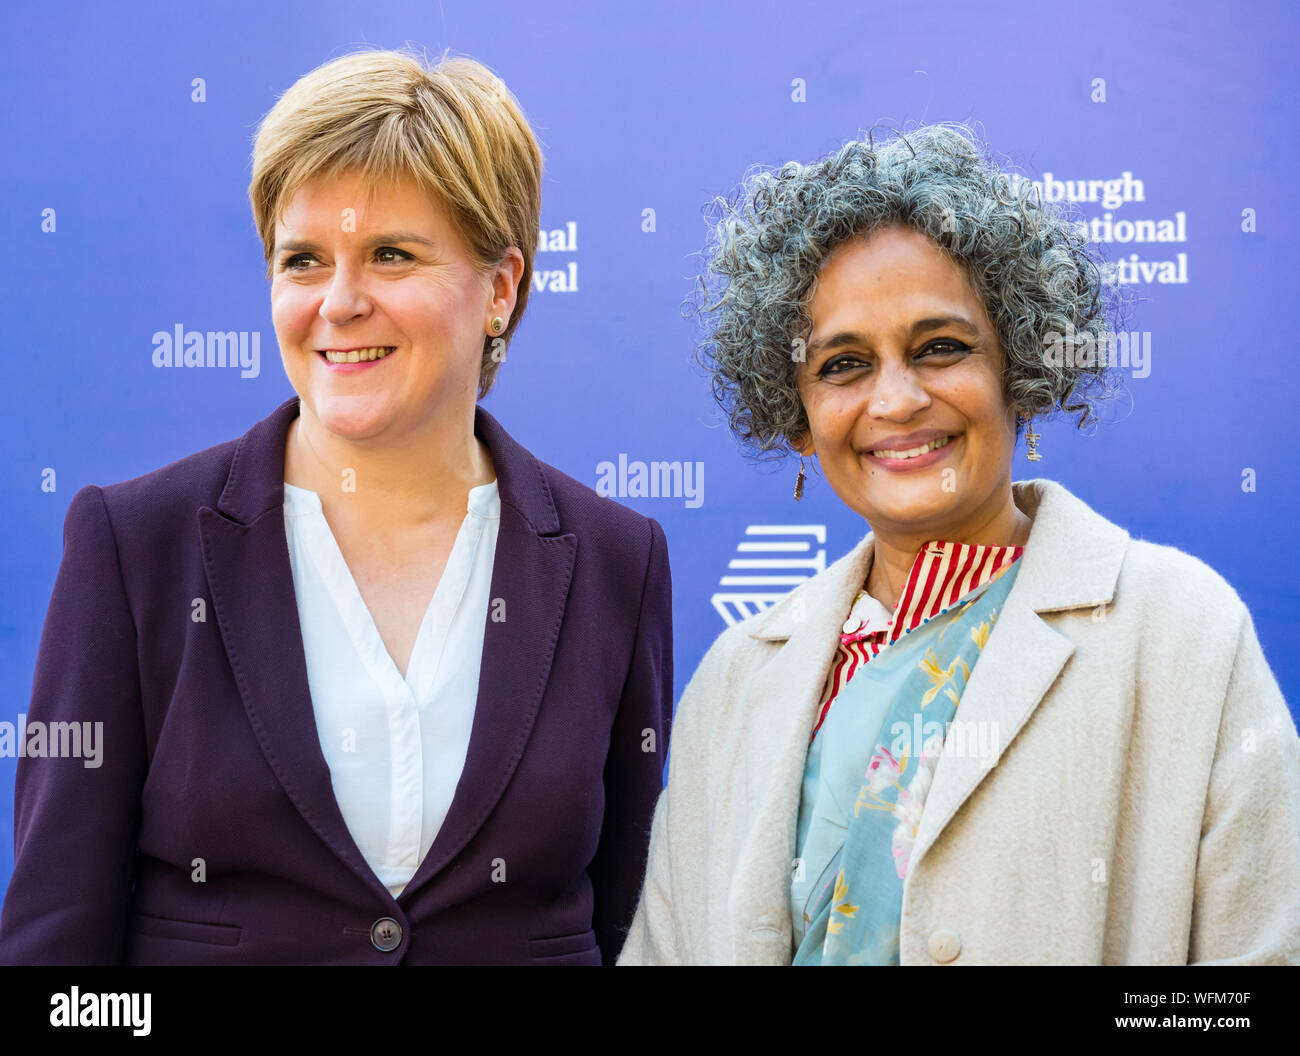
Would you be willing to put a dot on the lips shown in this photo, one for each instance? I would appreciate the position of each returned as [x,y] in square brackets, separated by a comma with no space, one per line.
[907,441]
[903,454]
[912,452]
[368,354]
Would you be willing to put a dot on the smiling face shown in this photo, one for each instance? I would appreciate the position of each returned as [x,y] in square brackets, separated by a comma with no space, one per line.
[903,356]
[391,274]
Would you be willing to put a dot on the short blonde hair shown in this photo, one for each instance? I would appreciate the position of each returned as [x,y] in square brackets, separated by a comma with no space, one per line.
[453,127]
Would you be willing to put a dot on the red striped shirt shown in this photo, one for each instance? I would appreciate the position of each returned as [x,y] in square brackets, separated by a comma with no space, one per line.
[942,574]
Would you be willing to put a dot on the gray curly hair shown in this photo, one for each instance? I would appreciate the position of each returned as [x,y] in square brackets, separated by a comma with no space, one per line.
[1029,263]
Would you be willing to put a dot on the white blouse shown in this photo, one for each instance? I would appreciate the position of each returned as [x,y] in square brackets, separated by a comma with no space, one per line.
[395,746]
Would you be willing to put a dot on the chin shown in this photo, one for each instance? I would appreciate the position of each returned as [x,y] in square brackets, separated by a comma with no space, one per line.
[901,510]
[352,418]
[904,516]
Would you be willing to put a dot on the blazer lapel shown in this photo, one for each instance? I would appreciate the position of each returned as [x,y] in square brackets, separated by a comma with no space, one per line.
[246,556]
[531,573]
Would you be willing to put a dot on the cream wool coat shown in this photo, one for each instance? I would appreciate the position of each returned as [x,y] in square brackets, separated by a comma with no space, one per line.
[1143,806]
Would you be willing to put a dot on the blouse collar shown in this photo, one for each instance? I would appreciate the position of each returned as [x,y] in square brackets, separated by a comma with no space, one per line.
[943,573]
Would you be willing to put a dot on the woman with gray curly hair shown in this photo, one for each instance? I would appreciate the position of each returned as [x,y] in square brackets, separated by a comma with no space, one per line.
[1000,729]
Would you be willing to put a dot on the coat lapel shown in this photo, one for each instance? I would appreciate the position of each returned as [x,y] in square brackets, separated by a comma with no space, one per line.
[246,556]
[1071,560]
[531,573]
[804,629]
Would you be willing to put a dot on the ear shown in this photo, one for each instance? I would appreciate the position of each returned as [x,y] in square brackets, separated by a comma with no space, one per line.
[505,283]
[803,445]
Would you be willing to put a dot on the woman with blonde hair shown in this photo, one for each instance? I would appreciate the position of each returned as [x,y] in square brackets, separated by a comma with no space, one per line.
[377,685]
[1000,729]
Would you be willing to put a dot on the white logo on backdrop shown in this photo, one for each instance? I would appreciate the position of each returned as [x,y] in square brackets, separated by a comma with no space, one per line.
[771,561]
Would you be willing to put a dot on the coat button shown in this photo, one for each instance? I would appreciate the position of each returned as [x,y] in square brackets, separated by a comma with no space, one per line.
[386,934]
[944,945]
[852,624]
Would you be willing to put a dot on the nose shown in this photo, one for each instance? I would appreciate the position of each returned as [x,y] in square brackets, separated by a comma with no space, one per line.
[897,393]
[345,297]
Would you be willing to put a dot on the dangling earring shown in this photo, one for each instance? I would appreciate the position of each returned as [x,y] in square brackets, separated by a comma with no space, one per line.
[798,482]
[1031,438]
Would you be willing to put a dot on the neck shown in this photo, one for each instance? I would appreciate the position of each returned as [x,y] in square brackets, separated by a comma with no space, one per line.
[408,481]
[894,552]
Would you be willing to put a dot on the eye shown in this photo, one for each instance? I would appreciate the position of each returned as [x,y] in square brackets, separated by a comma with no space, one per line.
[943,348]
[290,263]
[838,365]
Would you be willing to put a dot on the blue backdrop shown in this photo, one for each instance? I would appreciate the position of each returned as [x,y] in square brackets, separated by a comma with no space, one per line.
[128,131]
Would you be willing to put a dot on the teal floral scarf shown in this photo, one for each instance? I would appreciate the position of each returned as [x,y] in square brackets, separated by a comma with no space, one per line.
[868,772]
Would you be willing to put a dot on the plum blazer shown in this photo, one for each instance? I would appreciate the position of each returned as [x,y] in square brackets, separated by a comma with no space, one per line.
[209,833]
